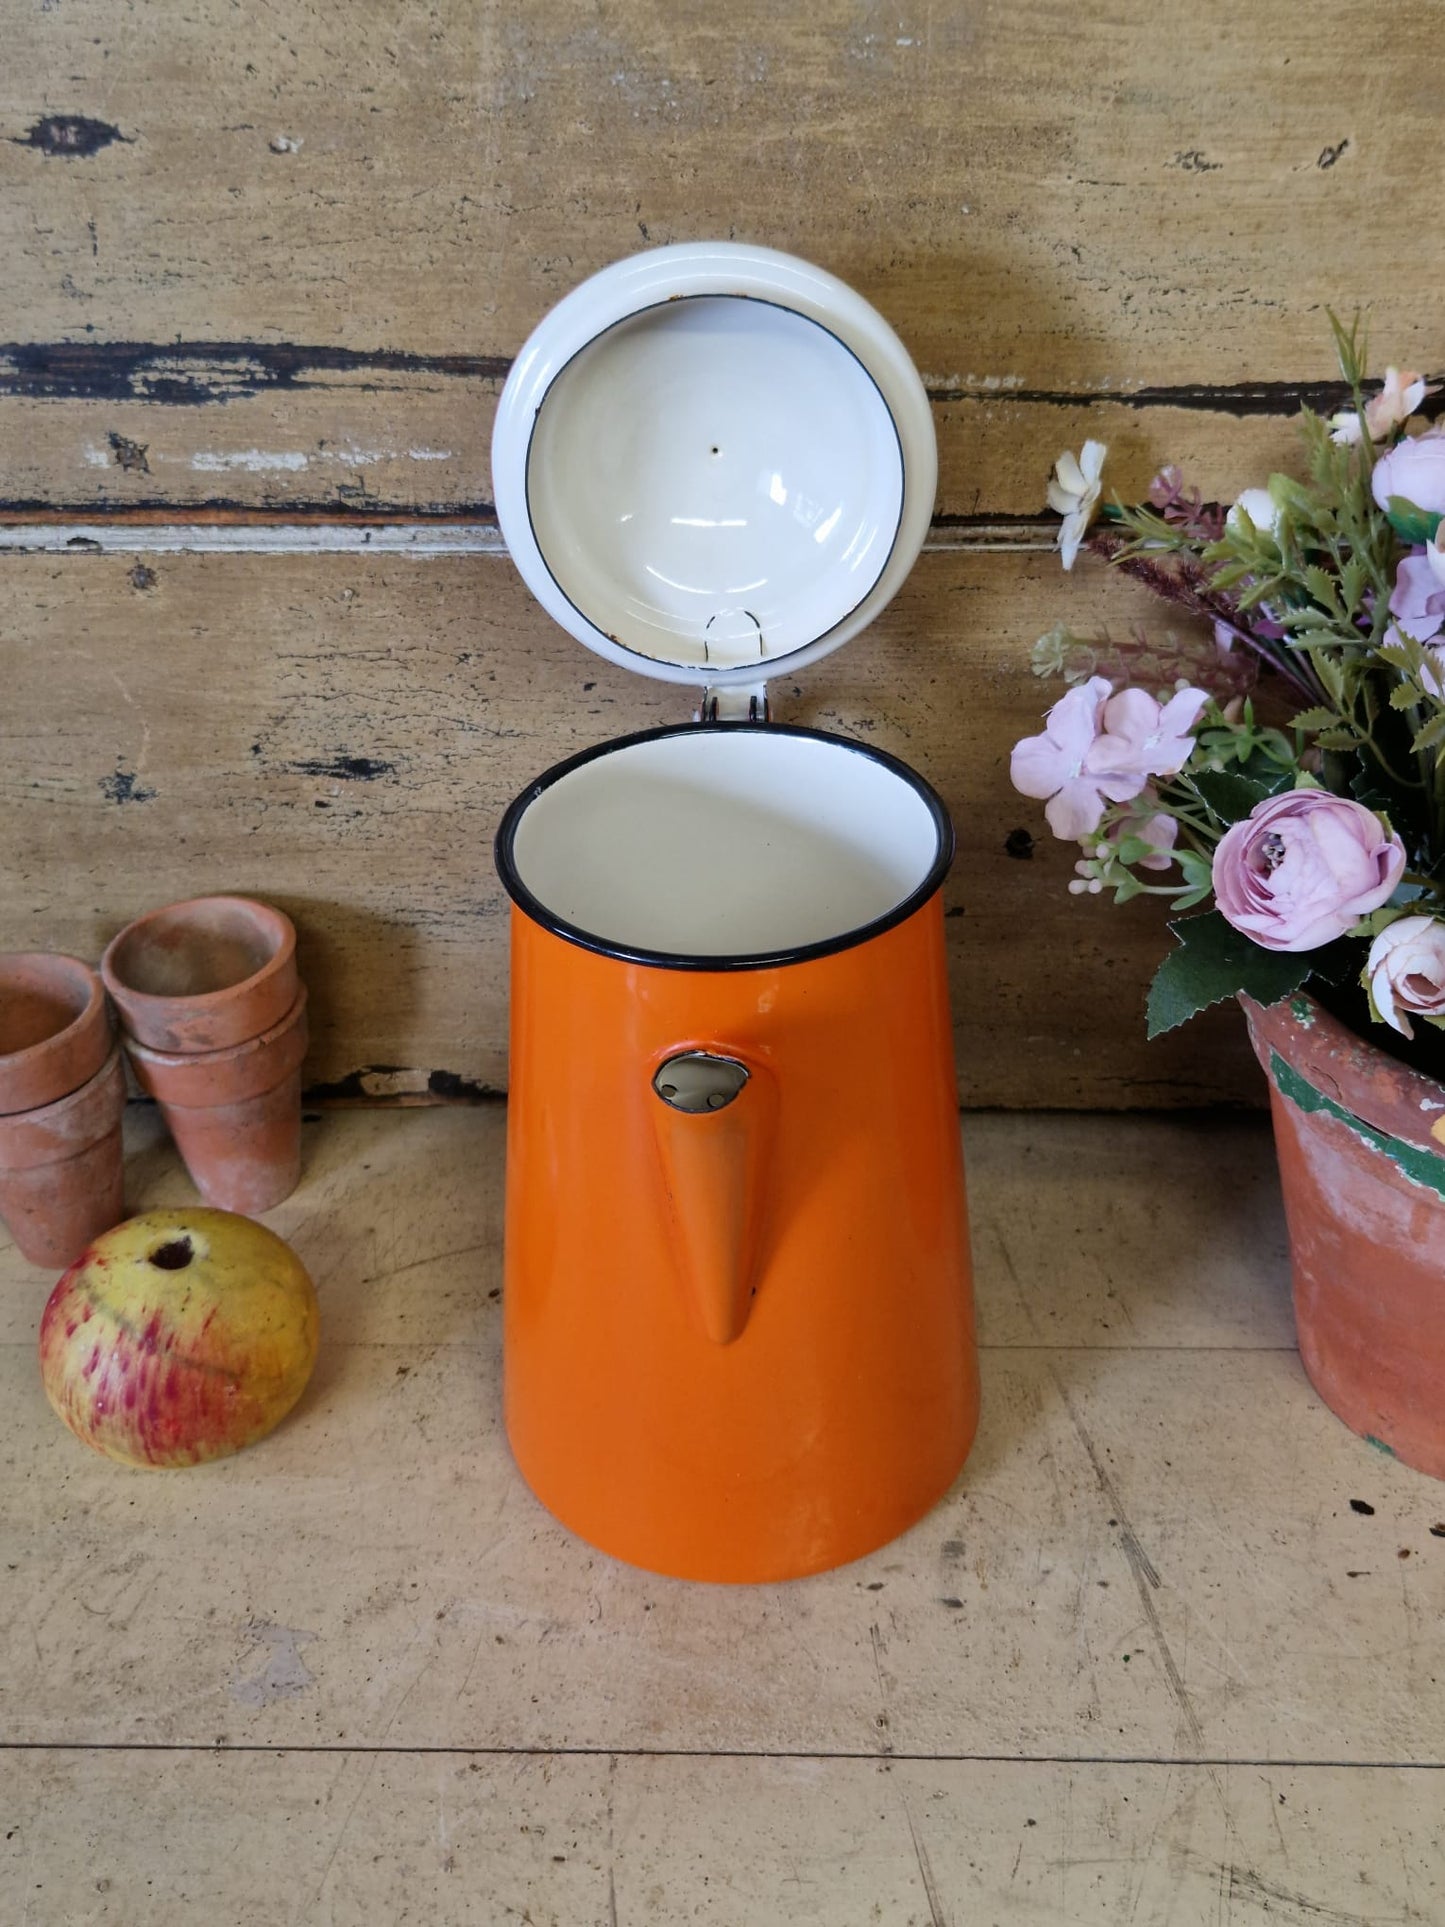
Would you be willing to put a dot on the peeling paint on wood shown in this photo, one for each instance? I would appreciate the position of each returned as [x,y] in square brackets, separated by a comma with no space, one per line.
[1002,190]
[254,533]
[197,374]
[421,446]
[270,326]
[69,136]
[125,786]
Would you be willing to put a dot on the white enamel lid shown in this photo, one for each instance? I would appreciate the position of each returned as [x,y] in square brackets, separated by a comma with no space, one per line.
[712,462]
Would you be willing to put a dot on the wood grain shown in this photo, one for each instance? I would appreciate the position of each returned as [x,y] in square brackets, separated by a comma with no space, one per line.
[1043,193]
[417,442]
[277,265]
[356,1674]
[341,734]
[473,1839]
[1149,1558]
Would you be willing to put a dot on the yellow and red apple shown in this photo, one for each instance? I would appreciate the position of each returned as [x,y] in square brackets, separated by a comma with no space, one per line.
[179,1336]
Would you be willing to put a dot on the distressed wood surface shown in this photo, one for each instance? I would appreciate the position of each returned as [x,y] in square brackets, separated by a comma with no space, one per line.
[272,269]
[1042,191]
[418,444]
[256,261]
[474,1839]
[1145,1662]
[341,734]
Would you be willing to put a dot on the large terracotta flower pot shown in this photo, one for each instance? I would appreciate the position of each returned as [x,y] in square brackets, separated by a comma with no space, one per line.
[204,974]
[1361,1144]
[235,1114]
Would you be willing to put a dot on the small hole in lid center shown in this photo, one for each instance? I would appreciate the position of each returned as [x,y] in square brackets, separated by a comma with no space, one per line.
[717,451]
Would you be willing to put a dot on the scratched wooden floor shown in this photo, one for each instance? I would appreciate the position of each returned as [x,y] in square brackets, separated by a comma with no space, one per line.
[1154,1660]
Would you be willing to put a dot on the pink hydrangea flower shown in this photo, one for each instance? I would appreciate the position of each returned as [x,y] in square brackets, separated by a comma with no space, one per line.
[1098,747]
[1141,737]
[1303,868]
[1414,469]
[1163,833]
[1406,968]
[1052,765]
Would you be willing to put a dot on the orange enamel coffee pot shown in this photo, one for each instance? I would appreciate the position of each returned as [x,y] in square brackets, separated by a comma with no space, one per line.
[738,1317]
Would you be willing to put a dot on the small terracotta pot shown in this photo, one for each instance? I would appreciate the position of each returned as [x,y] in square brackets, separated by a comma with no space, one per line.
[235,1114]
[62,1169]
[204,974]
[55,1028]
[1363,1174]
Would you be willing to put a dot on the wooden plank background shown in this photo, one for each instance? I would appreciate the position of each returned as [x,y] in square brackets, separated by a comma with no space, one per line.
[265,274]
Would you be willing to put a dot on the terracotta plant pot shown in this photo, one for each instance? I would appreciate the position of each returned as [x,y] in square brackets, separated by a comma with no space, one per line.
[1361,1143]
[204,974]
[62,1169]
[235,1114]
[55,1028]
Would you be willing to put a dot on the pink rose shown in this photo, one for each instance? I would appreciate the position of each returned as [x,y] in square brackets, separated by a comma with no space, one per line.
[1303,868]
[1406,968]
[1414,468]
[1052,765]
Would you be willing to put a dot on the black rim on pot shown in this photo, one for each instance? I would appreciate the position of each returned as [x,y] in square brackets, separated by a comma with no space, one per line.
[532,906]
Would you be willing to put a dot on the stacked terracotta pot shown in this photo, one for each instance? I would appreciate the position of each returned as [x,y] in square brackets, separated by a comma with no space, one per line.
[62,1094]
[215,1029]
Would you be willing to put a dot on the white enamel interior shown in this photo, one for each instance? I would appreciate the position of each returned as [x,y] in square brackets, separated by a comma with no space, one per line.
[725,843]
[613,408]
[715,482]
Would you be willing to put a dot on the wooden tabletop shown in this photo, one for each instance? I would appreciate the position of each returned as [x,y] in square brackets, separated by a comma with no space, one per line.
[1145,1663]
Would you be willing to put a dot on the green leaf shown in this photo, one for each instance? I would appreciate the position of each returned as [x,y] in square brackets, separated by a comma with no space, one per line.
[1323,587]
[1404,695]
[1407,656]
[1214,961]
[1133,849]
[1230,796]
[1432,735]
[1271,762]
[1333,678]
[1314,719]
[1411,524]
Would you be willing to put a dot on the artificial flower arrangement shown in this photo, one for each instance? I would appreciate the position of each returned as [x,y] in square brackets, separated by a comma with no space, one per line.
[1295,772]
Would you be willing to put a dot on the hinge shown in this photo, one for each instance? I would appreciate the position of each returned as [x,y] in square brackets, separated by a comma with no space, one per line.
[734,703]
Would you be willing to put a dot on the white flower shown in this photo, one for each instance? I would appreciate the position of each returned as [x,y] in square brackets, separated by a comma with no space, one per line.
[1257,507]
[1074,494]
[1395,403]
[1406,968]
